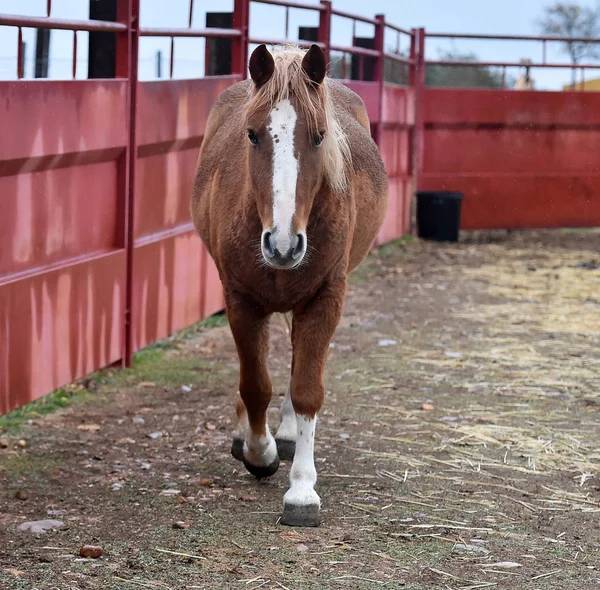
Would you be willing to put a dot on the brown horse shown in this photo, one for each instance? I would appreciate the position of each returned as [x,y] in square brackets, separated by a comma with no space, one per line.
[289,194]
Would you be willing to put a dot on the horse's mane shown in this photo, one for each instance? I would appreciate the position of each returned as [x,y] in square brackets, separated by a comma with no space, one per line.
[289,78]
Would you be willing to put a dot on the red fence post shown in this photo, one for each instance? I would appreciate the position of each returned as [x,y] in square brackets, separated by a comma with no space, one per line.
[379,76]
[324,35]
[419,86]
[128,12]
[239,45]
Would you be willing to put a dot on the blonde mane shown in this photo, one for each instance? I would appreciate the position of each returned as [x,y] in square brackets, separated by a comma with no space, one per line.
[289,78]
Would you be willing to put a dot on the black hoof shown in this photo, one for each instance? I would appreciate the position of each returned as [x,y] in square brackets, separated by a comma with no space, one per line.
[301,515]
[286,449]
[262,472]
[237,449]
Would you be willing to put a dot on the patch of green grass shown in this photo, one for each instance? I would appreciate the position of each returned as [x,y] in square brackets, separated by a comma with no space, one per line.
[27,464]
[61,398]
[393,247]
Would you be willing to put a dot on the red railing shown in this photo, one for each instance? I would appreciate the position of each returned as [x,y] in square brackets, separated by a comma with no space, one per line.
[543,39]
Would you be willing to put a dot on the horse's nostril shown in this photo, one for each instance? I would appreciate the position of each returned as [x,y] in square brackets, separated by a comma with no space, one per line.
[299,248]
[267,245]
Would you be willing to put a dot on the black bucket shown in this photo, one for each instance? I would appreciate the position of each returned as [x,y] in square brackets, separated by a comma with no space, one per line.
[438,215]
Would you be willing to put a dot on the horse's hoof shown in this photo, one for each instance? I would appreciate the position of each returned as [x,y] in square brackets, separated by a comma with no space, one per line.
[308,515]
[261,472]
[286,449]
[237,449]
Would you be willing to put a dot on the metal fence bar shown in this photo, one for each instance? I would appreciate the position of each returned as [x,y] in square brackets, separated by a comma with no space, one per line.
[42,22]
[286,4]
[501,64]
[553,38]
[215,33]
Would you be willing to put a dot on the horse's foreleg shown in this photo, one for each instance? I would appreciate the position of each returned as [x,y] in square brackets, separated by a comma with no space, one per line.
[286,433]
[251,334]
[313,328]
[239,436]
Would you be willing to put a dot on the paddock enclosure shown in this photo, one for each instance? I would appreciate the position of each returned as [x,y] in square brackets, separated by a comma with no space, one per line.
[98,257]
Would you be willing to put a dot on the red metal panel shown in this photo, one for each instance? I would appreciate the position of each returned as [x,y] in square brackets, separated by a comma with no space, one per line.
[58,325]
[62,267]
[514,202]
[174,280]
[536,152]
[54,215]
[52,124]
[522,159]
[398,118]
[484,107]
[167,287]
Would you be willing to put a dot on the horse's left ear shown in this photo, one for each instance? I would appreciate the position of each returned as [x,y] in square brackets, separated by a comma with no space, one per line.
[315,64]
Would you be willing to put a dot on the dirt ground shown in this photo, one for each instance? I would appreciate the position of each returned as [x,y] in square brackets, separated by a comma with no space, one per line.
[458,447]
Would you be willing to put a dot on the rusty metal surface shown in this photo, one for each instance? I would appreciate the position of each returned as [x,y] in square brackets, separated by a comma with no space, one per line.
[522,159]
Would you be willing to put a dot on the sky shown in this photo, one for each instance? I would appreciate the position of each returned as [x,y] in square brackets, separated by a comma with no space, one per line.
[441,16]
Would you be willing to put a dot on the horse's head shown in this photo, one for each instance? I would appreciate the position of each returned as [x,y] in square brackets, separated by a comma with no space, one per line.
[292,133]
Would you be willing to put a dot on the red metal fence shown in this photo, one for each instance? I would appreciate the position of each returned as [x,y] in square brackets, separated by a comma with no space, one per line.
[98,257]
[522,159]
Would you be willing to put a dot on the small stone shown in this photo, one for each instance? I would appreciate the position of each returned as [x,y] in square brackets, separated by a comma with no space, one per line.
[210,426]
[138,420]
[427,407]
[180,524]
[170,493]
[186,388]
[91,551]
[22,443]
[89,427]
[155,435]
[471,548]
[41,526]
[302,548]
[3,443]
[386,342]
[344,435]
[117,486]
[453,355]
[21,495]
[145,466]
[206,482]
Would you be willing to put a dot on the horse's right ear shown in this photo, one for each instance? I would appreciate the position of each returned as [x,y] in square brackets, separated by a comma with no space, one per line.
[262,65]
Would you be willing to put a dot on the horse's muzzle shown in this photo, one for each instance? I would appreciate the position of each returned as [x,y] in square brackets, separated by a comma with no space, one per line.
[283,252]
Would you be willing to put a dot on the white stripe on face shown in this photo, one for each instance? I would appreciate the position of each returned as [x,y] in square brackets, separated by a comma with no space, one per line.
[285,172]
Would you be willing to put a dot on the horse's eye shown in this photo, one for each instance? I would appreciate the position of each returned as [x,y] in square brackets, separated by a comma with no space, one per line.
[318,138]
[253,137]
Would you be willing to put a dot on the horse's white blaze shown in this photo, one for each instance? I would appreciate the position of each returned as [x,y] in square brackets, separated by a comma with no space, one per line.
[260,451]
[303,475]
[285,172]
[287,427]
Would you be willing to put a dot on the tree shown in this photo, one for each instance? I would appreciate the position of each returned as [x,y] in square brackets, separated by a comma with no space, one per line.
[573,20]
